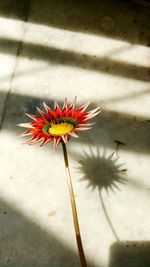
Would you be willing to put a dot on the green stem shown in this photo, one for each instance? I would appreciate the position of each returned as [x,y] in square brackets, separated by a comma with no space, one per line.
[74,209]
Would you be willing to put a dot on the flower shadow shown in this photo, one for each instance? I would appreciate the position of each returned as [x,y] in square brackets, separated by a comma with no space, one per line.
[102,171]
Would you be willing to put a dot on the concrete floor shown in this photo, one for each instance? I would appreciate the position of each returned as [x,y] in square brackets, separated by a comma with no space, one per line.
[98,51]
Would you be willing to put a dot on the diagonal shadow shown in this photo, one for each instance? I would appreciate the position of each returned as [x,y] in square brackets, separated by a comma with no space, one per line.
[127,96]
[130,253]
[133,132]
[15,9]
[24,243]
[71,58]
[23,73]
[112,18]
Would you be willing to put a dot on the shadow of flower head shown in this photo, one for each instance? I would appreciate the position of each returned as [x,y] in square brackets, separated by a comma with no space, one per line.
[102,171]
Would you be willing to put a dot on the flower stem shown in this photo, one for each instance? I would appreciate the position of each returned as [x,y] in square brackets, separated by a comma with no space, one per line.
[74,210]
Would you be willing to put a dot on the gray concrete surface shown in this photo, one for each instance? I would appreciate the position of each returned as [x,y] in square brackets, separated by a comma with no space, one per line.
[98,51]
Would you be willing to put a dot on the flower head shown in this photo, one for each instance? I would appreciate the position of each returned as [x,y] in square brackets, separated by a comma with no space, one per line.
[58,124]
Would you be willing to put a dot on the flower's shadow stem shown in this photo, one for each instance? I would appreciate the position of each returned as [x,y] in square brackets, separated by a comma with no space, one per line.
[108,217]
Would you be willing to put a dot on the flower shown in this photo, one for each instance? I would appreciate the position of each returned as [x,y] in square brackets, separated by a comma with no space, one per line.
[58,124]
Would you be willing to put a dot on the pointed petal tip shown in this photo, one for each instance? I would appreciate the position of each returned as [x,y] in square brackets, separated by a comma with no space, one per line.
[24,134]
[44,141]
[27,114]
[44,104]
[72,106]
[83,128]
[55,143]
[47,108]
[25,125]
[39,110]
[75,99]
[95,110]
[84,107]
[64,138]
[33,117]
[73,134]
[65,103]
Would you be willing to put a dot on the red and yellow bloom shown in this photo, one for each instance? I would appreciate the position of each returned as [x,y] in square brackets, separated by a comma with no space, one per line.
[58,124]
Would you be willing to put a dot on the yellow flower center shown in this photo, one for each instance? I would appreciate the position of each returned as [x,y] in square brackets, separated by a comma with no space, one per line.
[60,129]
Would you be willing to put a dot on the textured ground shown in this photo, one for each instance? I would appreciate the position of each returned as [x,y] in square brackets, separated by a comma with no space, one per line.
[99,51]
